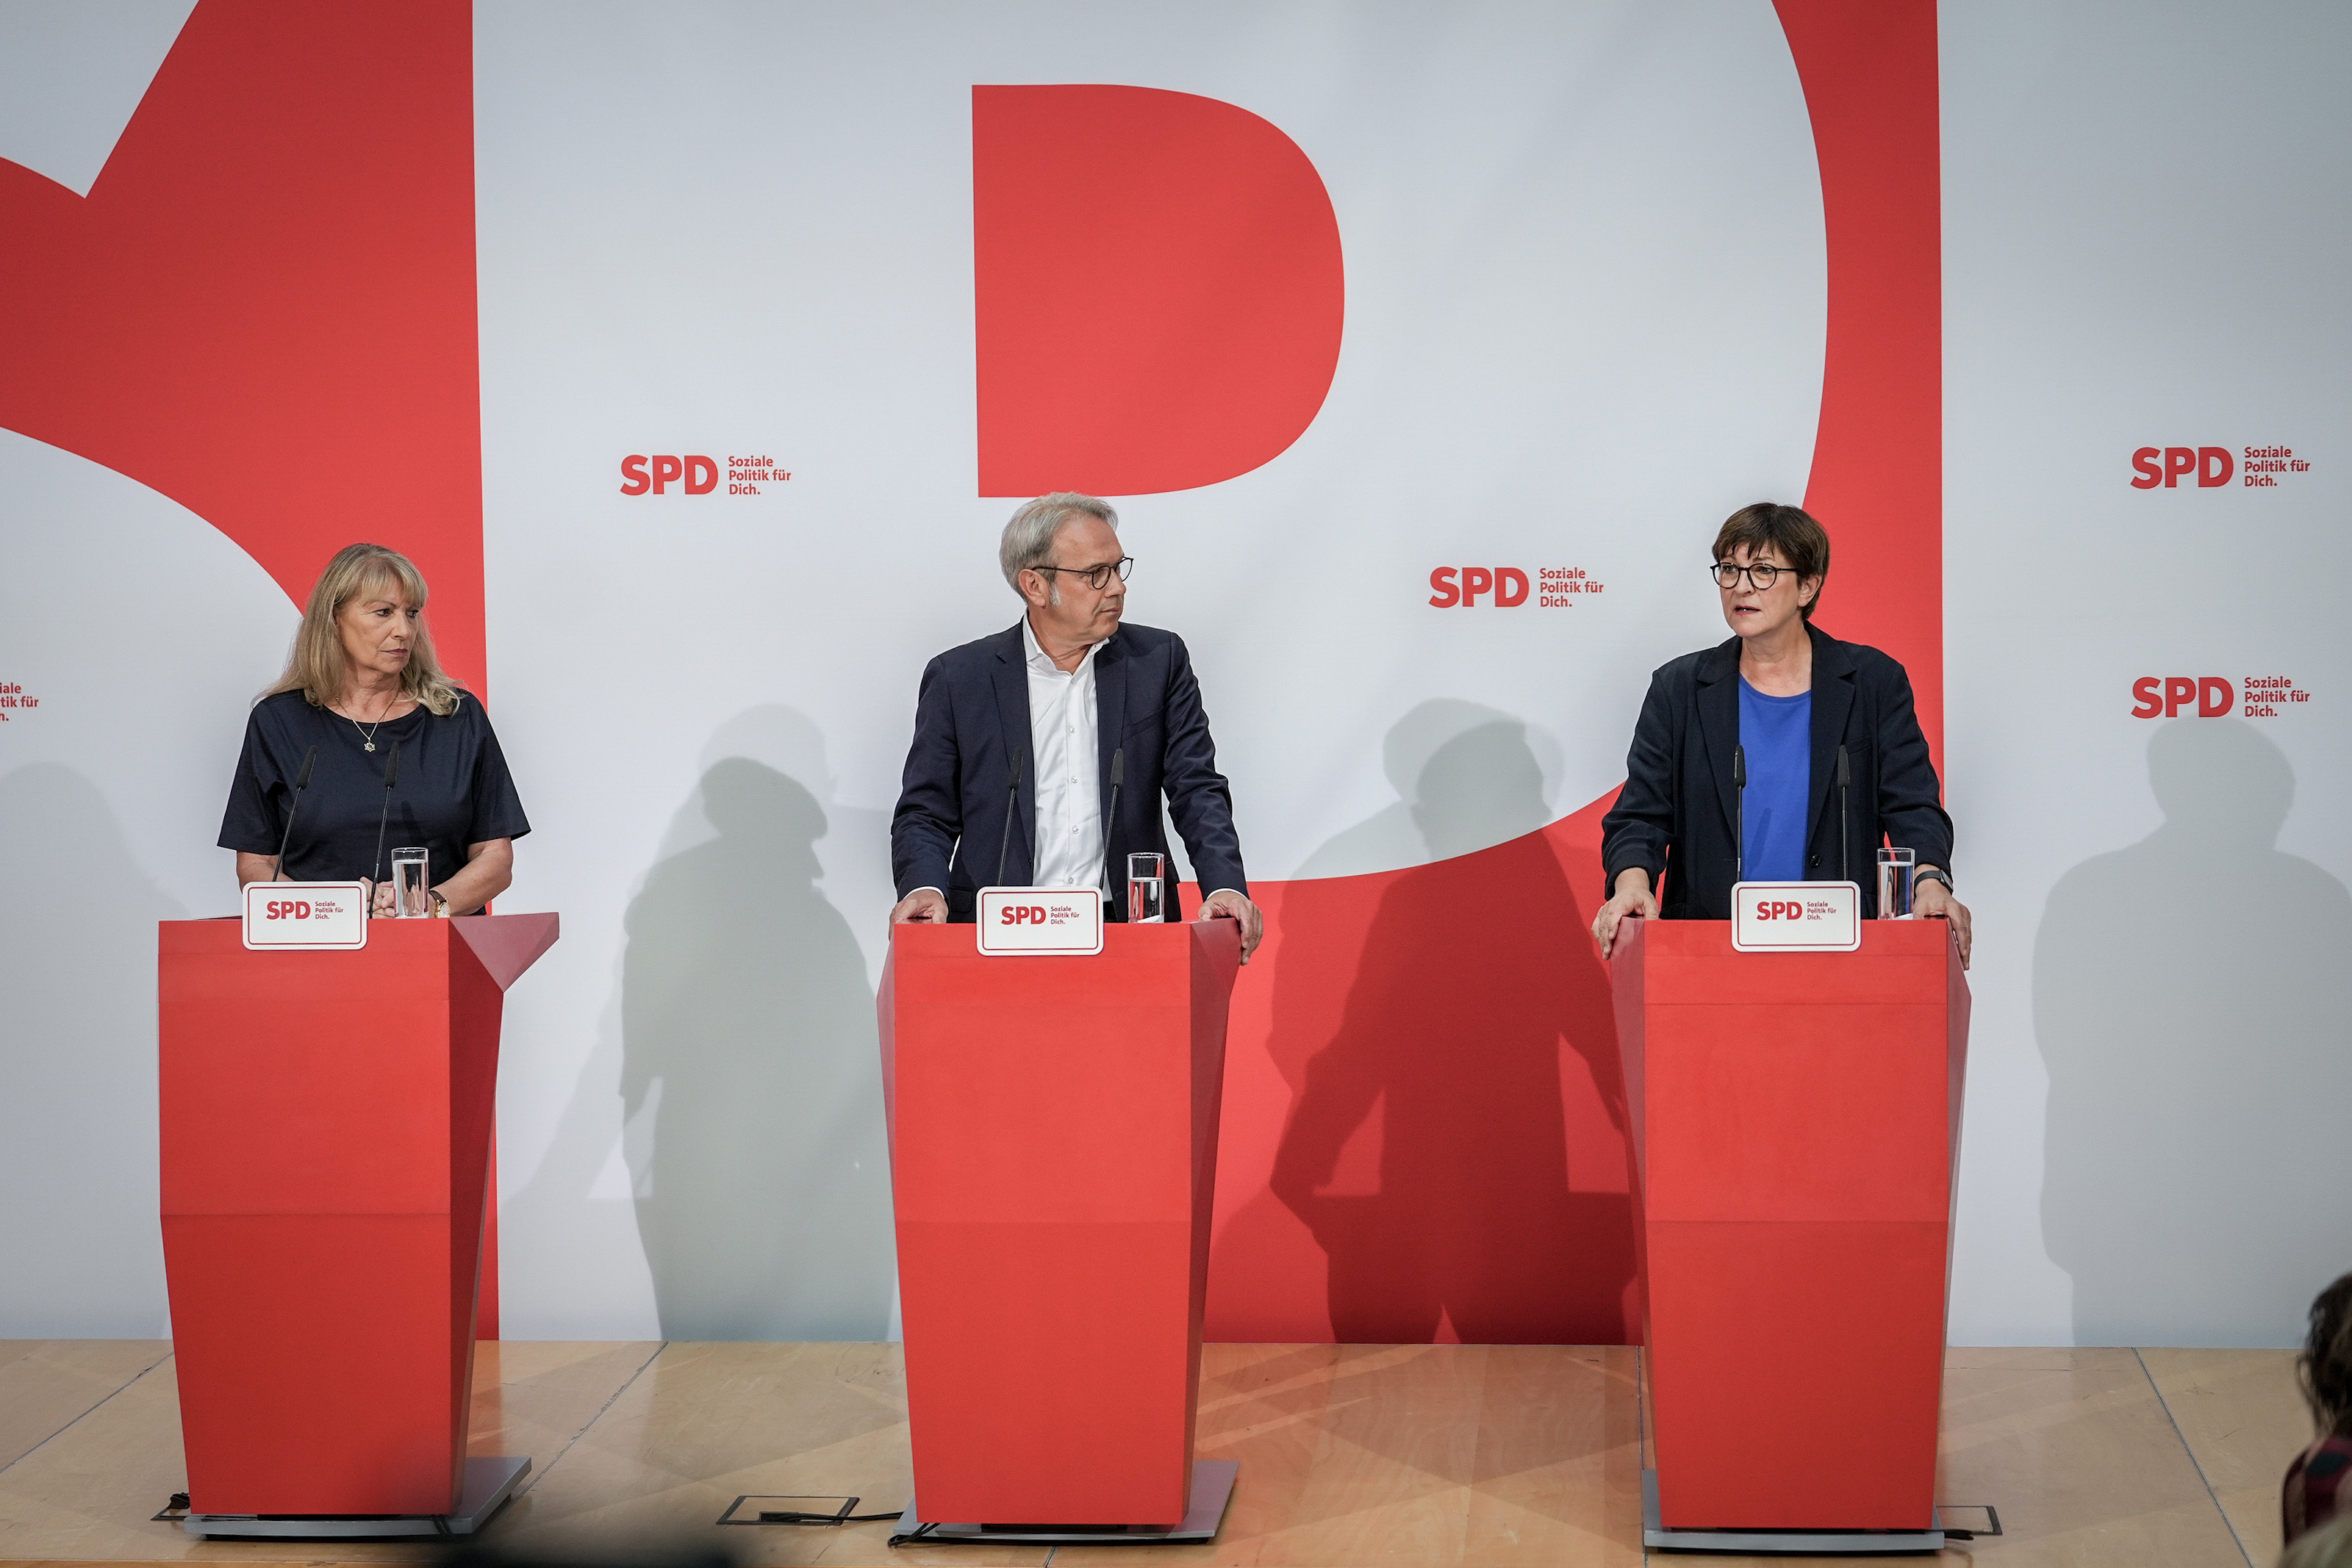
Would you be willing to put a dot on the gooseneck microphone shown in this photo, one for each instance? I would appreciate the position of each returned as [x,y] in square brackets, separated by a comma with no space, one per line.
[302,783]
[1011,802]
[1111,817]
[1844,778]
[391,776]
[1740,807]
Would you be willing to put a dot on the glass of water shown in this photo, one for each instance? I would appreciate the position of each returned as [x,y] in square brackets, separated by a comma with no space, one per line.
[1895,869]
[409,885]
[1146,887]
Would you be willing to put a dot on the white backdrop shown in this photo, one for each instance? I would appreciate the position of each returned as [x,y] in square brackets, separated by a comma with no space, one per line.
[1585,314]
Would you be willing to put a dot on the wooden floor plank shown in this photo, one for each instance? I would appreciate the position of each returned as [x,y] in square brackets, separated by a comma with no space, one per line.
[47,1385]
[2243,1421]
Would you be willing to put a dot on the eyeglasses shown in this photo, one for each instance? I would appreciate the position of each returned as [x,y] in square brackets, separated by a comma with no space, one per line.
[1761,575]
[1098,577]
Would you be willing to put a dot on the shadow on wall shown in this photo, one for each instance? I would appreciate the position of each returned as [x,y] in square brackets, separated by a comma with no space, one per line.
[78,1156]
[1421,1018]
[2188,996]
[763,1195]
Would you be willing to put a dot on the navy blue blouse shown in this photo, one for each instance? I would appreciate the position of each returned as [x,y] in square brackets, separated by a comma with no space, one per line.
[453,790]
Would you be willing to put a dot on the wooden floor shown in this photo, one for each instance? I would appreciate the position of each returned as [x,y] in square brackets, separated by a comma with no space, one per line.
[1349,1455]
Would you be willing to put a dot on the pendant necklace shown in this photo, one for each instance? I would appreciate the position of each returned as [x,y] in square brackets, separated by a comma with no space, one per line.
[367,735]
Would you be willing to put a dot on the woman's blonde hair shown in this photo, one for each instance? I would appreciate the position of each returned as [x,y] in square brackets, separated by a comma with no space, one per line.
[317,666]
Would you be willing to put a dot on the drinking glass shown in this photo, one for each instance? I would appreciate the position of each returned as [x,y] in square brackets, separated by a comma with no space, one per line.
[1895,868]
[409,885]
[1146,887]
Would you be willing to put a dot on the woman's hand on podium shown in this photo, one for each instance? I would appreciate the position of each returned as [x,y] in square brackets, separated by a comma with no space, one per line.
[1931,900]
[924,906]
[1633,898]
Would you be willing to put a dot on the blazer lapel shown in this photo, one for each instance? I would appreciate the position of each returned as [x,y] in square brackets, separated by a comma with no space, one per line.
[1718,727]
[1833,672]
[1111,721]
[1012,714]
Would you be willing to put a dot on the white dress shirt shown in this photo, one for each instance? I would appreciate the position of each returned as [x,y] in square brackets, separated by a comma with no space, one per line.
[1065,768]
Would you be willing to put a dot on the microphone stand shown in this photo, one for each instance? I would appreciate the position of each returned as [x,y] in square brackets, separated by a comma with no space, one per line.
[302,783]
[391,776]
[1844,777]
[1111,817]
[1740,808]
[1012,801]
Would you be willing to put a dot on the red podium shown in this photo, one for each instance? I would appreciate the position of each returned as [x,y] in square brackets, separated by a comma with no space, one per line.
[1796,1133]
[1053,1153]
[326,1138]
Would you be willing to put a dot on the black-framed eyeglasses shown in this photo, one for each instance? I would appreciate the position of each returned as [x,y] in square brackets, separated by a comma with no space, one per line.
[1098,577]
[1761,575]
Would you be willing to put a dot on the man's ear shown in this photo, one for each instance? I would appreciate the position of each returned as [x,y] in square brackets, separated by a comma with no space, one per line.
[1033,588]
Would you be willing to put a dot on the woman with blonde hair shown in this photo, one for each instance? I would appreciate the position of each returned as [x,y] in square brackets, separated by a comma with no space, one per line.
[360,688]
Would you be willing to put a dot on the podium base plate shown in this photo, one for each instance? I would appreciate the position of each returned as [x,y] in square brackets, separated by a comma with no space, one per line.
[1802,1543]
[1213,1488]
[489,1483]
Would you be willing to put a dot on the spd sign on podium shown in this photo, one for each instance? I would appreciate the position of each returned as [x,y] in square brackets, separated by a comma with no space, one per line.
[1039,922]
[306,916]
[1796,918]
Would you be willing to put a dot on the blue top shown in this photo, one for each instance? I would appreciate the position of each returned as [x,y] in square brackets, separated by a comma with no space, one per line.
[1776,733]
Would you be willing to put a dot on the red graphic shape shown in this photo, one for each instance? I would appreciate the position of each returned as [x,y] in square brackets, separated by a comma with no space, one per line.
[1360,1245]
[264,309]
[1157,289]
[1425,1061]
[1869,72]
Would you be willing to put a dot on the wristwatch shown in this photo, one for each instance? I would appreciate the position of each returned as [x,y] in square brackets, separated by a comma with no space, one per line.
[1931,873]
[441,904]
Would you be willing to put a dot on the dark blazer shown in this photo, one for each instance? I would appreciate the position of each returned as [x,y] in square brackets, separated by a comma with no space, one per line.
[1675,816]
[971,718]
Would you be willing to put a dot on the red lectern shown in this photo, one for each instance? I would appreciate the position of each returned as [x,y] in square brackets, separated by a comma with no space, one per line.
[1052,1156]
[326,1138]
[1796,1132]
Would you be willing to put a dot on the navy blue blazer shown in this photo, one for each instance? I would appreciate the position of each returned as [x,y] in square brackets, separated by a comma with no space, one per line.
[1674,818]
[971,718]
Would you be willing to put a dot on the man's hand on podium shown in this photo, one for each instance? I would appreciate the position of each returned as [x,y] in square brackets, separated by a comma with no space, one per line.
[1633,898]
[924,906]
[1931,900]
[1226,905]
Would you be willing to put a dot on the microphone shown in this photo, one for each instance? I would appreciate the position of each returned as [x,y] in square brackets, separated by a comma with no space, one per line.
[1740,808]
[1111,817]
[391,776]
[1844,777]
[1011,802]
[302,783]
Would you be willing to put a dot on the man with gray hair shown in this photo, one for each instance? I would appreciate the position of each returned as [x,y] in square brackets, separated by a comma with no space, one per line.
[1035,718]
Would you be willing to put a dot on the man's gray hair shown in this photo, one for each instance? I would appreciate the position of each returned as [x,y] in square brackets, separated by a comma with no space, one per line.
[1029,538]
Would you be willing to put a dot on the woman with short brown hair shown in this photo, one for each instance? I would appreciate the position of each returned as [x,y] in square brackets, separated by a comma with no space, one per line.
[362,685]
[1786,700]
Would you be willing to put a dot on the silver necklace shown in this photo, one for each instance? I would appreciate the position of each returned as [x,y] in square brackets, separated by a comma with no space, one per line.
[367,735]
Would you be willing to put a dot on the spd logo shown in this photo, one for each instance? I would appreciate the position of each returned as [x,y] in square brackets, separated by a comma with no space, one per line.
[2210,696]
[700,475]
[288,909]
[2169,466]
[1508,584]
[1779,909]
[1023,914]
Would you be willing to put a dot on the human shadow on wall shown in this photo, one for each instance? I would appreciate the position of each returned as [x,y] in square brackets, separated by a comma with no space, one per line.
[77,1153]
[1427,1148]
[2187,998]
[763,1195]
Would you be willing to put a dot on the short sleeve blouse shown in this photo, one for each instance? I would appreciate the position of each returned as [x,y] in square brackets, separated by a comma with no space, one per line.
[452,788]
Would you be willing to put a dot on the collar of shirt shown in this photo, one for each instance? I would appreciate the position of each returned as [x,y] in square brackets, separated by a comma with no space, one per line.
[1041,664]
